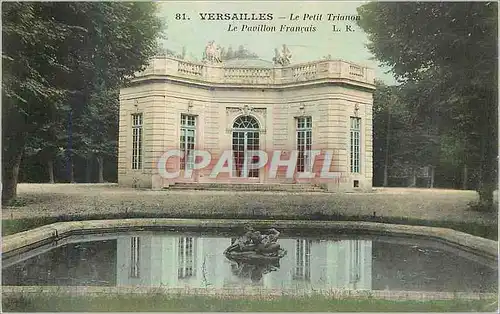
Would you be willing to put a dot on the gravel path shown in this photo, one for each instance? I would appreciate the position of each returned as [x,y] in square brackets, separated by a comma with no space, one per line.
[46,200]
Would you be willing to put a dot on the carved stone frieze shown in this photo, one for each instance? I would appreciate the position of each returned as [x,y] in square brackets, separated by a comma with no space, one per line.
[356,109]
[302,109]
[245,110]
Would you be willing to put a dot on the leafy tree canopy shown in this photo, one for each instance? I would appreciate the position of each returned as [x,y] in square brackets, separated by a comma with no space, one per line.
[445,54]
[67,57]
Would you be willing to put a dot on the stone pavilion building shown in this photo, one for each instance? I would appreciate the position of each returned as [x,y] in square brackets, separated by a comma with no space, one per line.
[243,105]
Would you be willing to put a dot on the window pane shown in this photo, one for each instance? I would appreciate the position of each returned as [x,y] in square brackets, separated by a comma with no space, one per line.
[304,143]
[355,149]
[134,257]
[187,140]
[137,141]
[185,257]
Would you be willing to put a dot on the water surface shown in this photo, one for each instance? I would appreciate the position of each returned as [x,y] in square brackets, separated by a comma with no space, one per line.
[153,259]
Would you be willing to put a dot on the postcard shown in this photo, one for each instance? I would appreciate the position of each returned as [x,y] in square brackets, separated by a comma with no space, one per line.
[243,156]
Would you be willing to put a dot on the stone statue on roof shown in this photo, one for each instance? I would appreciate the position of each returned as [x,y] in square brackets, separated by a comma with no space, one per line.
[212,53]
[282,57]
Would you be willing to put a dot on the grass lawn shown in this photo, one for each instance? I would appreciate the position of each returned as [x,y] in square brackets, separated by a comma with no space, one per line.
[162,303]
[40,204]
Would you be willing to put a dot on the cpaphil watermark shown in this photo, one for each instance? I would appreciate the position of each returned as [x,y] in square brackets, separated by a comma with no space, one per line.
[299,164]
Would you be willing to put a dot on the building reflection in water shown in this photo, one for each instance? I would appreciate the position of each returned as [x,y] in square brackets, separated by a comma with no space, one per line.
[174,261]
[134,256]
[170,260]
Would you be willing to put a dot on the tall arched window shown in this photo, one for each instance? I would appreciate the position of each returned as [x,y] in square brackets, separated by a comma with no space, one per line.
[246,122]
[245,139]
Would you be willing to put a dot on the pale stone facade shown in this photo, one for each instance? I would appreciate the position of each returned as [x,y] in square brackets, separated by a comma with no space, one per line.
[268,99]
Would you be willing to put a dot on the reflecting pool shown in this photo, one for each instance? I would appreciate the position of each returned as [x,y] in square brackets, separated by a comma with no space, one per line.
[196,260]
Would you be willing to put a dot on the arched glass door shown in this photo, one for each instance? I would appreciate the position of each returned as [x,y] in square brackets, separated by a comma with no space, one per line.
[245,139]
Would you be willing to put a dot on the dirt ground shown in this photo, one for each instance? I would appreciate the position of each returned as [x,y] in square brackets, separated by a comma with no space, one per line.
[46,200]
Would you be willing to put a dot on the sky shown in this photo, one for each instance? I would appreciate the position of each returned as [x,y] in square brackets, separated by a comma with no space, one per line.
[194,33]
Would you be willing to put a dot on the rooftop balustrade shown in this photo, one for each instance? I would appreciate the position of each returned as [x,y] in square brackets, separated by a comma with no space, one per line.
[257,75]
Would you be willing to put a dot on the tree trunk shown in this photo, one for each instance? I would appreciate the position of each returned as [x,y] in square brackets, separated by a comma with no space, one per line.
[413,182]
[14,135]
[387,142]
[50,169]
[100,162]
[486,183]
[432,178]
[465,178]
[489,154]
[71,171]
[11,162]
[88,170]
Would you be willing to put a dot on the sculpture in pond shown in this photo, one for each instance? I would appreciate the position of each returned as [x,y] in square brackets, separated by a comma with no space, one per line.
[253,270]
[254,246]
[255,254]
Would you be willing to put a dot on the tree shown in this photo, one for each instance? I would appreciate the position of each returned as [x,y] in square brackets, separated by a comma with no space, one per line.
[403,142]
[241,53]
[449,52]
[384,99]
[29,94]
[98,129]
[57,57]
[46,144]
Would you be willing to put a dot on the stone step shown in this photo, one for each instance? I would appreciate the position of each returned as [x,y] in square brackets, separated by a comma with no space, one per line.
[246,187]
